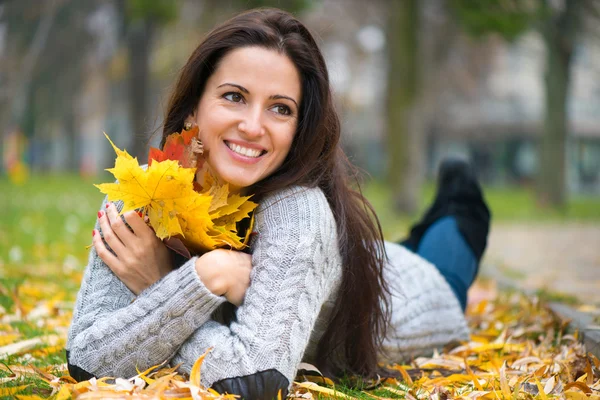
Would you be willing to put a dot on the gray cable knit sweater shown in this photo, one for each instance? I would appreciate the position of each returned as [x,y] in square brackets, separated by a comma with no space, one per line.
[296,272]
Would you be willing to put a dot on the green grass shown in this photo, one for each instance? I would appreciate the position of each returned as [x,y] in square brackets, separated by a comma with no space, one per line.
[46,219]
[45,226]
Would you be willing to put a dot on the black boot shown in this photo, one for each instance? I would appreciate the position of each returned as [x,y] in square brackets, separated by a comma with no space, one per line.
[459,195]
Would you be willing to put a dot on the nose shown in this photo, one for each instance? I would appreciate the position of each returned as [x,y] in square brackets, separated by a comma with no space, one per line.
[252,124]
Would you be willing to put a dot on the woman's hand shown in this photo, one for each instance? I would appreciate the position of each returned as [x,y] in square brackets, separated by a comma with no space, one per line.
[225,273]
[140,258]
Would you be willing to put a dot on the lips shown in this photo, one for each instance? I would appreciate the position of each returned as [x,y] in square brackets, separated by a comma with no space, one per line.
[245,151]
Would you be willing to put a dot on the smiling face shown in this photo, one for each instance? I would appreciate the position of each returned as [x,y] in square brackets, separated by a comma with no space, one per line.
[248,114]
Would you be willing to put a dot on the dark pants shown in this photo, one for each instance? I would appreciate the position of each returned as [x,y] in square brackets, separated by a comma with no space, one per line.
[445,247]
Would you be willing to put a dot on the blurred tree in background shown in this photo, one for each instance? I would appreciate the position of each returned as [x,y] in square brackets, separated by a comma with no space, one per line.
[45,66]
[561,23]
[142,21]
[414,80]
[405,151]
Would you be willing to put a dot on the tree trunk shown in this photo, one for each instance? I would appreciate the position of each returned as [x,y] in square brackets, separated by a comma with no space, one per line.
[91,117]
[140,39]
[559,36]
[19,90]
[403,133]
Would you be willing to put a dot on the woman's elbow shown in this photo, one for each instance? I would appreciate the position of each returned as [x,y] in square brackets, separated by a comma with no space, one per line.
[77,372]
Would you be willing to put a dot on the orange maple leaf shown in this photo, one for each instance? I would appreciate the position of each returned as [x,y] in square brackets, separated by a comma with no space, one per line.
[183,147]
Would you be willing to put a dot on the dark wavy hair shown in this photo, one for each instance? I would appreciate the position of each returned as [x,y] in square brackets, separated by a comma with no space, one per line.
[352,340]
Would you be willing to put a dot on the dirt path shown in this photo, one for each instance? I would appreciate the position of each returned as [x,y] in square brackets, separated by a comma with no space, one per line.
[560,257]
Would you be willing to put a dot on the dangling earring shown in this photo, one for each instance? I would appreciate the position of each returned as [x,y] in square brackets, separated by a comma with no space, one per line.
[187,126]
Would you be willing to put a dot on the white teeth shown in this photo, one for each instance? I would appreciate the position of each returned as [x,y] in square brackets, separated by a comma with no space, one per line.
[243,150]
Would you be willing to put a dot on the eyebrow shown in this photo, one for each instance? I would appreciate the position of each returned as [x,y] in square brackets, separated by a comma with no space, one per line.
[273,97]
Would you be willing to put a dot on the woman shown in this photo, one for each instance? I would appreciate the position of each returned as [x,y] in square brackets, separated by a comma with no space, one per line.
[315,286]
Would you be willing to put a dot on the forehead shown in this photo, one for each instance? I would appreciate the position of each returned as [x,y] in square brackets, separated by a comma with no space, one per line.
[259,70]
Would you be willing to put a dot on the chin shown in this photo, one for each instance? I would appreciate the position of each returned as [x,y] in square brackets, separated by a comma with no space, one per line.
[237,184]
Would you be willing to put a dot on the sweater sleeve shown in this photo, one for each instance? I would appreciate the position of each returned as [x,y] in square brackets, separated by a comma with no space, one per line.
[113,332]
[295,268]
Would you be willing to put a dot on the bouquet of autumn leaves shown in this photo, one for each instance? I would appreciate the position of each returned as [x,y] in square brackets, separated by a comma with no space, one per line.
[178,209]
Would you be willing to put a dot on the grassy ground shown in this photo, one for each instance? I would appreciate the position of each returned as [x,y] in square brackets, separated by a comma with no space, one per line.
[48,219]
[45,226]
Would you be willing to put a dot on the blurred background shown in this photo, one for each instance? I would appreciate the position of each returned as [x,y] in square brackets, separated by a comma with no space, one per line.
[510,85]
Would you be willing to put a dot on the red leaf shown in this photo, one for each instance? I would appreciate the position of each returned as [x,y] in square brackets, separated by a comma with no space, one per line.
[180,147]
[155,154]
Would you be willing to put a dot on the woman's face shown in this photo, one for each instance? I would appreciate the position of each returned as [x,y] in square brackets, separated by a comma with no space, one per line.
[248,114]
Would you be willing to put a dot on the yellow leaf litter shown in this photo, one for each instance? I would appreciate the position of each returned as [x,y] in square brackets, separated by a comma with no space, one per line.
[518,350]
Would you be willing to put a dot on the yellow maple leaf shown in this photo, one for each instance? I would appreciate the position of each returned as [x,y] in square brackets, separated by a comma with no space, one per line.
[219,194]
[226,238]
[164,190]
[226,217]
[226,210]
[235,205]
[238,208]
[196,225]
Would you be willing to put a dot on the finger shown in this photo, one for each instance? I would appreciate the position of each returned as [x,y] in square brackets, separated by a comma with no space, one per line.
[136,222]
[105,255]
[110,237]
[118,224]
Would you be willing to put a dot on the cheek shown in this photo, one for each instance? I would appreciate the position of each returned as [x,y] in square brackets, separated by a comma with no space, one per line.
[212,125]
[285,144]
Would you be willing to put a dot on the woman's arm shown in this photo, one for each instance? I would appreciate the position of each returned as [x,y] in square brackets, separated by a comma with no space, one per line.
[296,266]
[112,331]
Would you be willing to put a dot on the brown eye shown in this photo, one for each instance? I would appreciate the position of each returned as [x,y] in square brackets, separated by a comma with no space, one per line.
[233,97]
[281,109]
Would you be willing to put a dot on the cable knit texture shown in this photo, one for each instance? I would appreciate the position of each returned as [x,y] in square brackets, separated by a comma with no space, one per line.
[296,273]
[425,312]
[296,267]
[113,332]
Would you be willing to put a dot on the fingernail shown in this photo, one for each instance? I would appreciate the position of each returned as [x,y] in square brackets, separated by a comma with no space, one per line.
[100,214]
[140,214]
[107,205]
[93,233]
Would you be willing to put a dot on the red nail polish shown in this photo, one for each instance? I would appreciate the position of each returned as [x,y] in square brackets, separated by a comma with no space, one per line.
[93,233]
[100,214]
[107,204]
[140,214]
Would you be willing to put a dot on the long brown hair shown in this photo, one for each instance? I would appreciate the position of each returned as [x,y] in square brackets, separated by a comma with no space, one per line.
[351,342]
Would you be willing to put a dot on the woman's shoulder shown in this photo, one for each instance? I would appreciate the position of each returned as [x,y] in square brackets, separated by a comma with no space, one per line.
[298,205]
[293,194]
[294,197]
